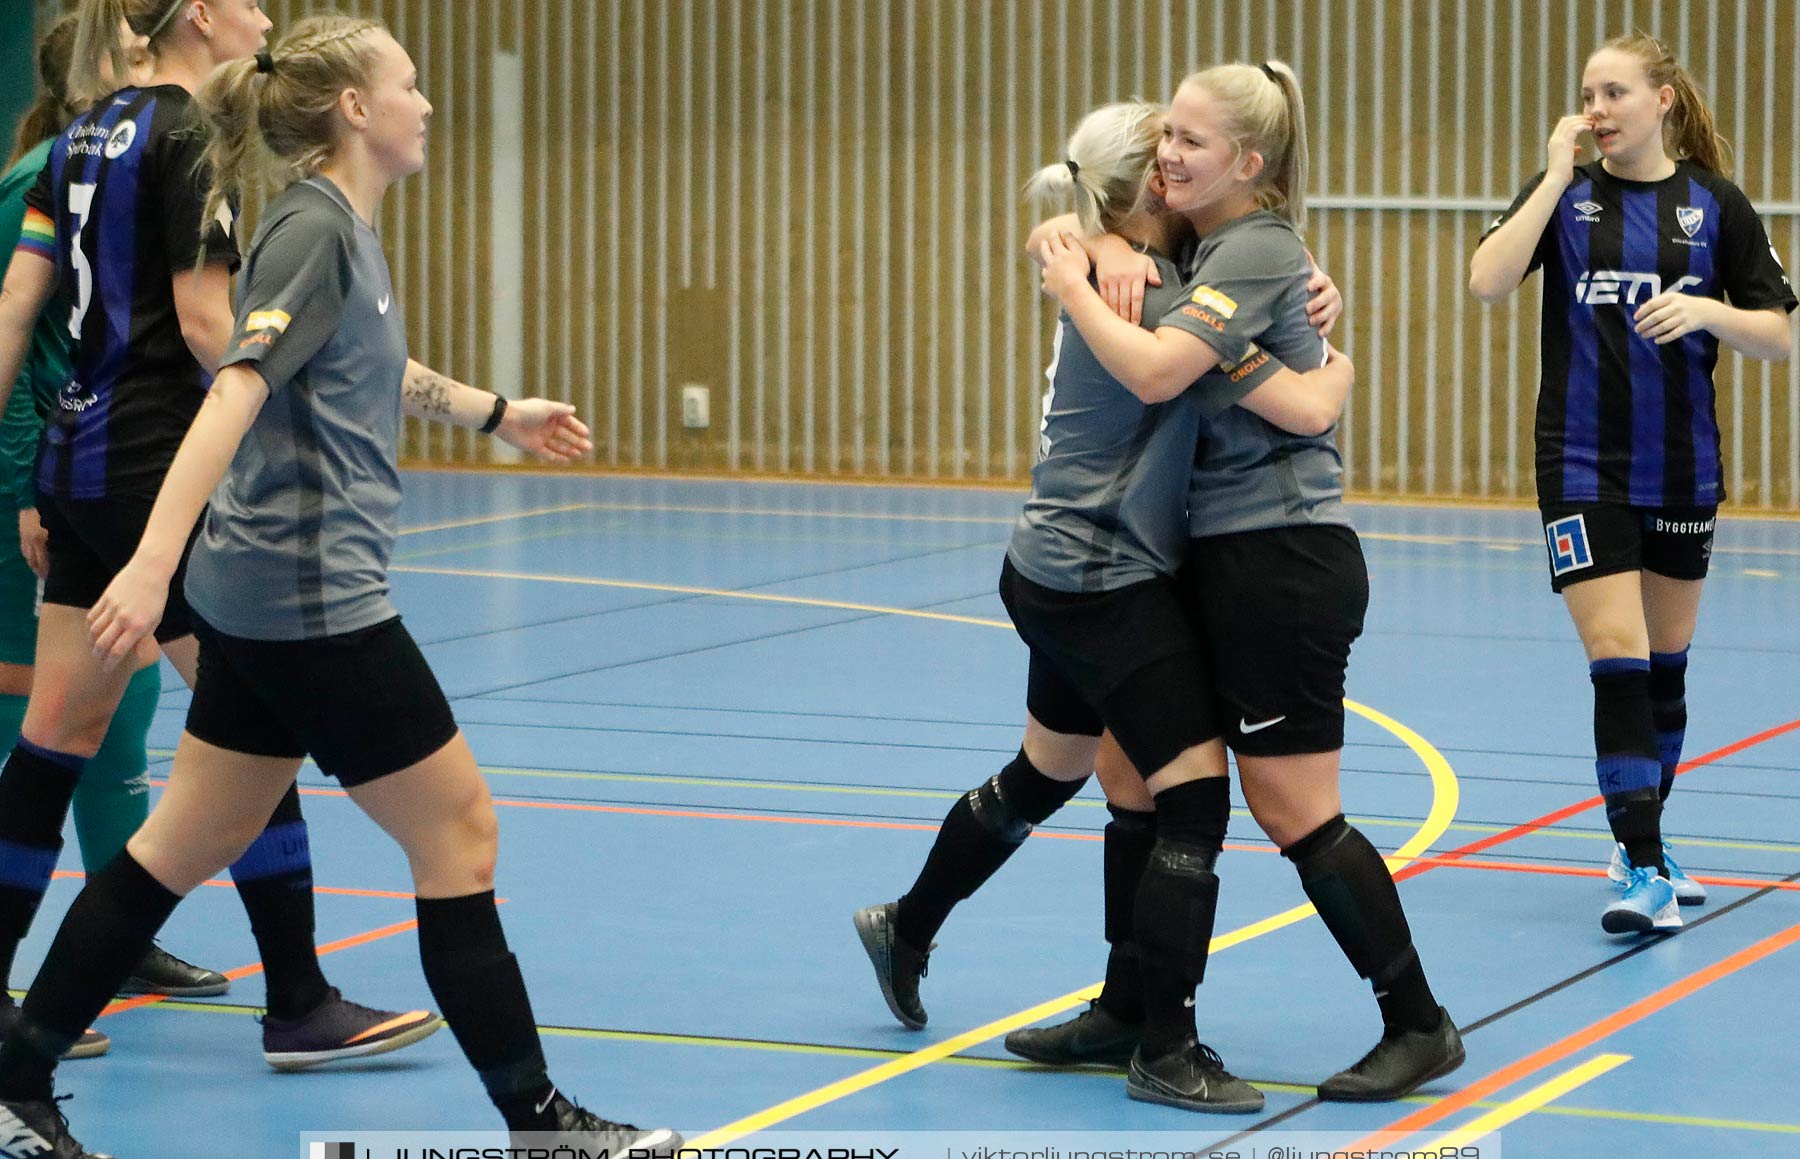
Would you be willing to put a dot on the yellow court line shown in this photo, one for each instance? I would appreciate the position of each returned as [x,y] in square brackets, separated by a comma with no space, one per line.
[1516,1109]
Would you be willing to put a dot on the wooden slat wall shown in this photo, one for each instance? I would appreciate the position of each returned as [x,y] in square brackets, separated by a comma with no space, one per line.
[810,207]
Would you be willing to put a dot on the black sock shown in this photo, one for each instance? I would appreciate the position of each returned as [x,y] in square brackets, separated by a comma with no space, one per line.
[1173,911]
[35,790]
[985,826]
[1129,838]
[104,936]
[476,982]
[1627,760]
[274,881]
[1353,891]
[1668,711]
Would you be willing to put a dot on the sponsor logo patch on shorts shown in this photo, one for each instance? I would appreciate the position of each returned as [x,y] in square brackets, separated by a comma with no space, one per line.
[1568,543]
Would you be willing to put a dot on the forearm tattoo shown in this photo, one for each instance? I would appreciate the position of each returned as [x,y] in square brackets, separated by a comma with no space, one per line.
[428,394]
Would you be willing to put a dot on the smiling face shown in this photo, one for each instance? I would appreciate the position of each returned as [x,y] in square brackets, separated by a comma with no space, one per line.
[1628,110]
[1202,167]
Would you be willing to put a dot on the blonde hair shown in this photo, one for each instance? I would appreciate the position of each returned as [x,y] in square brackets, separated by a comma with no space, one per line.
[1111,155]
[1688,130]
[278,125]
[1265,113]
[97,39]
[52,109]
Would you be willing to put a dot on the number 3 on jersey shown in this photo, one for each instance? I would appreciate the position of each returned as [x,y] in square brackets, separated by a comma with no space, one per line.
[81,202]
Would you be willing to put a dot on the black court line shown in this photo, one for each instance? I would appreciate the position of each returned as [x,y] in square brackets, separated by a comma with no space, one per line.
[1554,988]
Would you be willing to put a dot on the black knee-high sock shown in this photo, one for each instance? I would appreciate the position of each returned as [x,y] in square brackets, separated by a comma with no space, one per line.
[1627,761]
[476,982]
[274,881]
[985,826]
[105,934]
[1668,711]
[1177,899]
[1353,891]
[1130,836]
[35,790]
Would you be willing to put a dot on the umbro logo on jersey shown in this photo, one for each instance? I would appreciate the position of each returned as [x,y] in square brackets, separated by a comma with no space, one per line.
[1624,287]
[1245,727]
[381,306]
[1588,210]
[1690,218]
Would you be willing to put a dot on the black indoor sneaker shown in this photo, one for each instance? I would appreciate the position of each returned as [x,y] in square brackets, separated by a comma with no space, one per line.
[37,1130]
[163,973]
[580,1128]
[1193,1078]
[1401,1062]
[898,967]
[339,1028]
[1093,1036]
[91,1044]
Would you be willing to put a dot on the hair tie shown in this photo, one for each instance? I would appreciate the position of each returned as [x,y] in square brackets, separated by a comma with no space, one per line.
[162,21]
[265,62]
[1074,170]
[1270,72]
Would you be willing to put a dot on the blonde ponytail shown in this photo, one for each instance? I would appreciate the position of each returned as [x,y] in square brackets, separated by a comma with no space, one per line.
[1111,155]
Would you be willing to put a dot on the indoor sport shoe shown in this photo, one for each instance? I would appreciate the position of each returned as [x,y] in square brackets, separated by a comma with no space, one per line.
[1193,1078]
[578,1127]
[1093,1036]
[1687,890]
[1647,902]
[91,1044]
[163,973]
[38,1130]
[898,967]
[338,1029]
[1401,1062]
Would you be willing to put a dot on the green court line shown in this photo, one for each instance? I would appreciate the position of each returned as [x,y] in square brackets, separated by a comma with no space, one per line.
[864,1052]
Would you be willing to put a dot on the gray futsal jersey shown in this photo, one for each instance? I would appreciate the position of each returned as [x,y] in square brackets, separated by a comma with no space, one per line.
[1109,488]
[296,541]
[1246,298]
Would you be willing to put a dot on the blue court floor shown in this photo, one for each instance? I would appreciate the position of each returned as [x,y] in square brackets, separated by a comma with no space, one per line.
[720,716]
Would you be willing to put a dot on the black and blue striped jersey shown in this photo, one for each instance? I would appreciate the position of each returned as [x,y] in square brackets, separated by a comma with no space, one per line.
[1619,418]
[124,189]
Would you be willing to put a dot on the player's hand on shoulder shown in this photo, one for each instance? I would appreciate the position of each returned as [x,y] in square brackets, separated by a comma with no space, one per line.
[546,429]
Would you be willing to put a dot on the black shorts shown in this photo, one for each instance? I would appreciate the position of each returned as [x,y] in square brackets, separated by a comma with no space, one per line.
[1590,540]
[362,705]
[90,540]
[1125,660]
[1278,611]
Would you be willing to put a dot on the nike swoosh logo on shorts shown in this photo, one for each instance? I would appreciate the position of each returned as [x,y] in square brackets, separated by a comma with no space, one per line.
[1245,727]
[381,306]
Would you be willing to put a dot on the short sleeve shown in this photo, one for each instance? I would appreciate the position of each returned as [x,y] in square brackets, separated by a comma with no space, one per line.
[1232,297]
[183,180]
[1225,387]
[1543,242]
[291,297]
[1752,273]
[40,196]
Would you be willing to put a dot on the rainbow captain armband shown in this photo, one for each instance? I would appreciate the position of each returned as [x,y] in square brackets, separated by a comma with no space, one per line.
[37,235]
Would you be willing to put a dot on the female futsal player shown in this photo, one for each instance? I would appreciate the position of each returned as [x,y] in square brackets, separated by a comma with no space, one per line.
[115,219]
[1087,582]
[112,798]
[301,651]
[1274,576]
[1651,259]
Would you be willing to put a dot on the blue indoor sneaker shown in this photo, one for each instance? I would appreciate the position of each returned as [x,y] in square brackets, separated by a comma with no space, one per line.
[1646,903]
[1687,890]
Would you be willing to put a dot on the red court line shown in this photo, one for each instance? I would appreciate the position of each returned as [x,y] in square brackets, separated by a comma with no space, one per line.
[1580,1040]
[1596,871]
[137,1003]
[1568,811]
